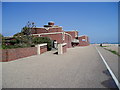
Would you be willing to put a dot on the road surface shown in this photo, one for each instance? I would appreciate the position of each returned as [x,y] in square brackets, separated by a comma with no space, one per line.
[80,67]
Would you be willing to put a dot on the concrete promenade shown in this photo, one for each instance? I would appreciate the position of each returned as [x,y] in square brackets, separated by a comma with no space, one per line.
[80,67]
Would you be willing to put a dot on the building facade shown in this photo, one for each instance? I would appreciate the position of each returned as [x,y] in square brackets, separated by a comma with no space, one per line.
[59,36]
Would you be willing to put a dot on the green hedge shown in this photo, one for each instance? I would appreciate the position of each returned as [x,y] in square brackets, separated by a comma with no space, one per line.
[22,42]
[40,40]
[14,46]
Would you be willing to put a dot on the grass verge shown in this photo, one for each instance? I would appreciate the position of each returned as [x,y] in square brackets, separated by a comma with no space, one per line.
[112,51]
[104,46]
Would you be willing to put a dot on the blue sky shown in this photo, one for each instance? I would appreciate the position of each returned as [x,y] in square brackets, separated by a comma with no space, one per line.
[98,20]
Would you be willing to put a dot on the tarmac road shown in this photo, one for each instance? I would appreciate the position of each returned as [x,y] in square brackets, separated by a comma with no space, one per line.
[80,67]
[111,59]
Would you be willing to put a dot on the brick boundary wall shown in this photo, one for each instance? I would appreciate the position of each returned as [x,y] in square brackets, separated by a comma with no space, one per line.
[3,55]
[13,54]
[43,49]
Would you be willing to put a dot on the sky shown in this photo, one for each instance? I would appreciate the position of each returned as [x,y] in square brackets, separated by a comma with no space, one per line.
[60,0]
[98,20]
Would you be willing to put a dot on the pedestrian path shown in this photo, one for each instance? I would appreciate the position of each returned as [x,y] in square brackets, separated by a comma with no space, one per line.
[80,67]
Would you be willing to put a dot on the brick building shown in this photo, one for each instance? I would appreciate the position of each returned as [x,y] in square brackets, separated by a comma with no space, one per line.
[59,36]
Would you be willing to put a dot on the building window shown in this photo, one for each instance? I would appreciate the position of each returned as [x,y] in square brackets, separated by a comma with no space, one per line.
[83,40]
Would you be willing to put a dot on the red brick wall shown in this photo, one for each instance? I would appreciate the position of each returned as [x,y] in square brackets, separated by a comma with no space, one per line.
[83,43]
[39,30]
[13,54]
[57,37]
[43,30]
[68,41]
[59,29]
[43,49]
[73,33]
[3,55]
[64,49]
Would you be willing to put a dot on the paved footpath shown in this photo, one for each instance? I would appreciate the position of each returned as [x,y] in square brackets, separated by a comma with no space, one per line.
[80,67]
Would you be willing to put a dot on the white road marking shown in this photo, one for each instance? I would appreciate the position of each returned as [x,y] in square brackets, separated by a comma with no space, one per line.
[112,74]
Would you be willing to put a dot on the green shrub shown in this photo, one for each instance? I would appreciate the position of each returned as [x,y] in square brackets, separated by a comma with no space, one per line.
[15,46]
[40,40]
[23,41]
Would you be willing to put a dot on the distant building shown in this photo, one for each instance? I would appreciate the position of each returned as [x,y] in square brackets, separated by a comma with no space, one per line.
[58,35]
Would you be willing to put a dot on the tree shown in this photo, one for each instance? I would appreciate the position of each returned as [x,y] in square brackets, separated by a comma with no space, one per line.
[20,39]
[27,30]
[1,35]
[25,36]
[19,34]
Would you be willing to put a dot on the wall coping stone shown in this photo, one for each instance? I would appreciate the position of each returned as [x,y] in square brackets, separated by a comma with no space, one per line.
[38,47]
[63,44]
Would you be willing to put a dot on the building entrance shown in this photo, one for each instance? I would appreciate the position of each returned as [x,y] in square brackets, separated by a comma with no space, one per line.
[54,44]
